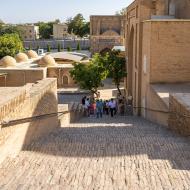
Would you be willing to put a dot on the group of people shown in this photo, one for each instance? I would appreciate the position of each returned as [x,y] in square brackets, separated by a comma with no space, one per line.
[99,107]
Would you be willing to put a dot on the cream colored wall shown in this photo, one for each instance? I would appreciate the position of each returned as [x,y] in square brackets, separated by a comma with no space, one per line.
[146,48]
[170,58]
[29,32]
[20,77]
[154,102]
[163,45]
[149,98]
[59,73]
[134,42]
[60,31]
[39,99]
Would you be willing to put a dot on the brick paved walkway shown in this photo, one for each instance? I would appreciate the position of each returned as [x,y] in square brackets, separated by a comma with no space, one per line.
[107,154]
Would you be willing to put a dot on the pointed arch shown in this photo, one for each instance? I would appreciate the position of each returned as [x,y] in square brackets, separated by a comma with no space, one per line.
[65,80]
[130,61]
[110,33]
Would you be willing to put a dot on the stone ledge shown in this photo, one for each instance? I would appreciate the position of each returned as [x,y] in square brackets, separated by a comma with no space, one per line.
[179,117]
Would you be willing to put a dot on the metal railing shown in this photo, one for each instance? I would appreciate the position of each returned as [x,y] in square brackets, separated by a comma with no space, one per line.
[9,123]
[163,111]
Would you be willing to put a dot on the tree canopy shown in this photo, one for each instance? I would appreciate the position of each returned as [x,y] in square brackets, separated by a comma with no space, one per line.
[46,28]
[78,26]
[10,29]
[116,67]
[121,12]
[90,76]
[10,44]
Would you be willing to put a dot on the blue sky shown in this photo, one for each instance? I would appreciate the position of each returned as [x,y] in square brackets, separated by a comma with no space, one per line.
[21,11]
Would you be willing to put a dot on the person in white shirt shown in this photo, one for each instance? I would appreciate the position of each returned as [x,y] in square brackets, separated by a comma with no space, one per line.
[112,106]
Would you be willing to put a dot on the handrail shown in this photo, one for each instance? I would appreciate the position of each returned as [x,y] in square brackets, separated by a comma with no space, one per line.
[153,110]
[162,111]
[9,123]
[5,124]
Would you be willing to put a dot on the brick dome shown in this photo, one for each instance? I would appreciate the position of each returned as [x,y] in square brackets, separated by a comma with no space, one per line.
[21,57]
[47,61]
[8,61]
[32,54]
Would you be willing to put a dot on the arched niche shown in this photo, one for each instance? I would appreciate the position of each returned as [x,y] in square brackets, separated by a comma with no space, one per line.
[65,80]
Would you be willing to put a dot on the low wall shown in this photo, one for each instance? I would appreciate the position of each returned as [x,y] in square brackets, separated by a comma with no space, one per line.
[179,105]
[73,112]
[20,77]
[156,109]
[30,100]
[84,44]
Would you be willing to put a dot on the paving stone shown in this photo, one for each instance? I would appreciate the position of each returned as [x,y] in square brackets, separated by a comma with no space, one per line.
[121,153]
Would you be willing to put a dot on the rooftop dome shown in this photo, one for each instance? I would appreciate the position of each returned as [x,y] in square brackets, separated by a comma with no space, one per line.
[47,61]
[8,61]
[21,57]
[32,54]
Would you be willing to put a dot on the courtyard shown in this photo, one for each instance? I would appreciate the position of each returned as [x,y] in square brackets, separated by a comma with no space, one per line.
[120,153]
[132,65]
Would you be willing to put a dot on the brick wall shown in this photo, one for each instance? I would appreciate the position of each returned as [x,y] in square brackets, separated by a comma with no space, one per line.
[170,58]
[60,73]
[20,77]
[40,98]
[179,105]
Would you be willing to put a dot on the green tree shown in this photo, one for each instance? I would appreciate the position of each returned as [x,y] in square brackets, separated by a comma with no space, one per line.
[86,29]
[10,44]
[78,25]
[48,48]
[78,46]
[116,67]
[46,29]
[10,29]
[88,77]
[121,12]
[69,48]
[59,47]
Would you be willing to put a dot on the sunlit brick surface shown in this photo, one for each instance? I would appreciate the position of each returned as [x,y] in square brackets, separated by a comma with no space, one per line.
[111,154]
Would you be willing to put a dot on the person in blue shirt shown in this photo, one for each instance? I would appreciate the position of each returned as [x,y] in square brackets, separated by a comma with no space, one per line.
[99,108]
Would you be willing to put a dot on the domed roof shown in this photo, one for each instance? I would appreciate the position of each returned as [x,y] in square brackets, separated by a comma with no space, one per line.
[32,54]
[21,57]
[47,61]
[8,61]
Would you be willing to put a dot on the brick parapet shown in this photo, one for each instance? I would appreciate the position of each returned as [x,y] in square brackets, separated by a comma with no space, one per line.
[179,117]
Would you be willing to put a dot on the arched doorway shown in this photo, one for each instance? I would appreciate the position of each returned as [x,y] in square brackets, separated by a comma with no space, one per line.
[130,62]
[65,80]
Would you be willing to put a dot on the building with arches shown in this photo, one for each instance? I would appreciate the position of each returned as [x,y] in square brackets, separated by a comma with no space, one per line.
[106,32]
[29,68]
[157,50]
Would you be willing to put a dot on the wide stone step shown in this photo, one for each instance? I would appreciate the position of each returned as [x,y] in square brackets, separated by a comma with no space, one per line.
[119,153]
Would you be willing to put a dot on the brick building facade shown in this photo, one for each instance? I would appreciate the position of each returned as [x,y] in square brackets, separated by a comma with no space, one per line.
[106,32]
[157,50]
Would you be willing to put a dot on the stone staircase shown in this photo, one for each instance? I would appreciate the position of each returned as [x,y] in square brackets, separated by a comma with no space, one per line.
[118,153]
[69,113]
